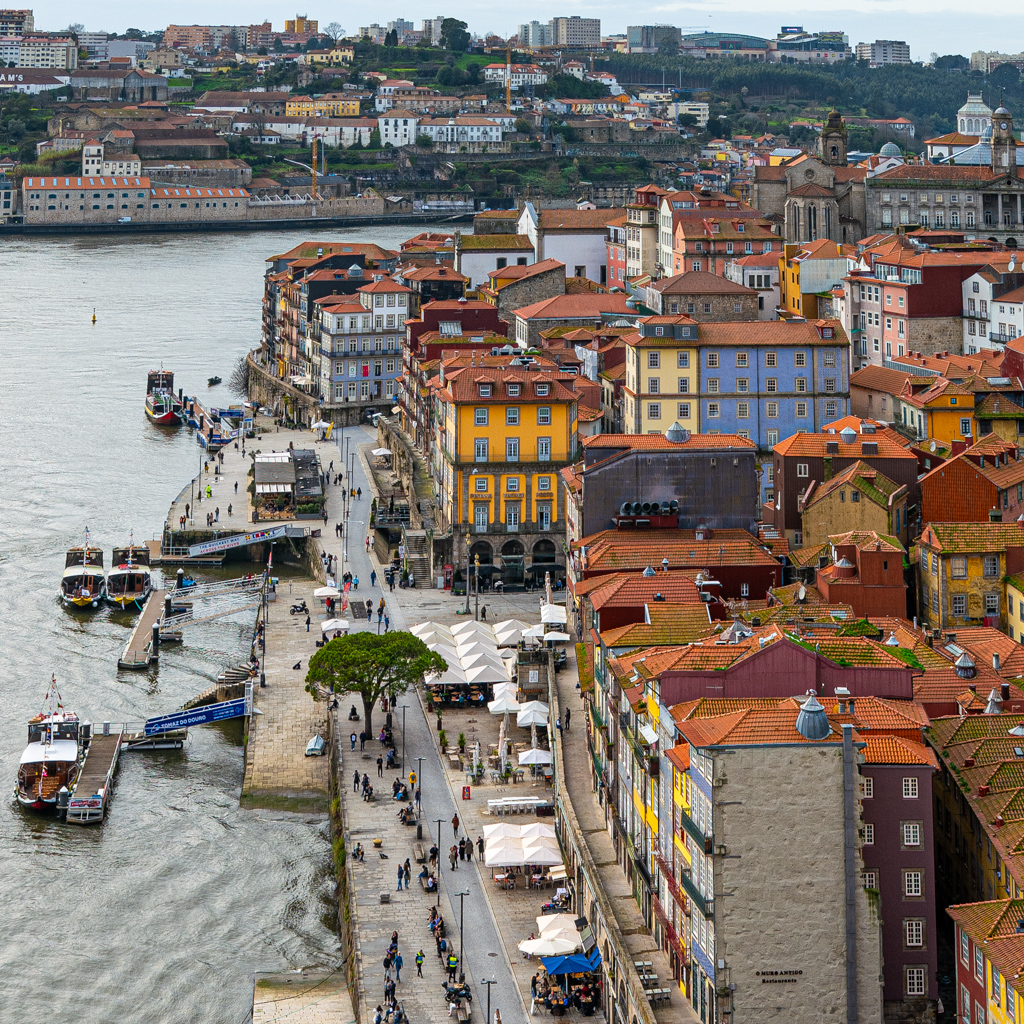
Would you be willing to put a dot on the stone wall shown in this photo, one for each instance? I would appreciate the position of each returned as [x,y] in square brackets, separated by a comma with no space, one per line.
[530,290]
[929,335]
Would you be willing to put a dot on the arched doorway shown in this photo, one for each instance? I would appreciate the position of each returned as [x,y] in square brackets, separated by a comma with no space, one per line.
[512,562]
[1011,243]
[484,550]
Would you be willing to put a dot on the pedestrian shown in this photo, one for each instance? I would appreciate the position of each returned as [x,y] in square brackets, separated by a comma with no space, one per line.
[380,618]
[362,739]
[419,964]
[383,735]
[352,741]
[453,856]
[480,846]
[308,620]
[229,508]
[568,715]
[401,875]
[483,613]
[188,512]
[558,724]
[366,782]
[469,849]
[209,491]
[367,545]
[417,796]
[355,782]
[359,493]
[387,623]
[453,966]
[391,582]
[380,766]
[407,872]
[462,849]
[236,487]
[533,987]
[355,582]
[399,964]
[380,607]
[369,610]
[455,824]
[373,578]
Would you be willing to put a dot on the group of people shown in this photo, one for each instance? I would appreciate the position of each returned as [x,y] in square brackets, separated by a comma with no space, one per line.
[391,1011]
[547,993]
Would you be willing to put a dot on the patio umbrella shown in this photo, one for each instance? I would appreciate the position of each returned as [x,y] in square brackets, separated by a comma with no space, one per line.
[502,706]
[435,637]
[526,718]
[535,705]
[535,756]
[429,627]
[507,689]
[507,624]
[547,947]
[553,613]
[508,639]
[335,625]
[478,658]
[380,451]
[318,424]
[439,647]
[538,829]
[450,677]
[327,592]
[543,856]
[503,830]
[555,922]
[465,650]
[571,933]
[534,632]
[486,674]
[471,626]
[557,636]
[504,853]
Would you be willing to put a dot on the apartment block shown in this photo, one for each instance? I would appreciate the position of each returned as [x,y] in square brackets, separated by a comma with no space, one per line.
[575,31]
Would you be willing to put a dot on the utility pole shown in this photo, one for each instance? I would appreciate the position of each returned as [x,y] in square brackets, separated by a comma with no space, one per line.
[462,909]
[493,981]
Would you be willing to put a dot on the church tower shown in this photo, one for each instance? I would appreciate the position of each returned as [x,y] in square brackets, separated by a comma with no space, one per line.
[1004,143]
[832,145]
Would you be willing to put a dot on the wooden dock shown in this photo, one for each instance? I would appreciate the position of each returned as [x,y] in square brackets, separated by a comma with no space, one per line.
[91,796]
[138,652]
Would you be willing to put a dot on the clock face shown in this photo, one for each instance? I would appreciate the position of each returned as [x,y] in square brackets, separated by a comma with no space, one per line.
[1003,125]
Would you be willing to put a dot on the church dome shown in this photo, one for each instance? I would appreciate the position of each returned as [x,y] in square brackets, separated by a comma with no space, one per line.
[1002,111]
[890,149]
[975,107]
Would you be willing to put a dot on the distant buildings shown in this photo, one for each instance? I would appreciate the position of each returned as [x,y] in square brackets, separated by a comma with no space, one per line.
[652,38]
[575,31]
[884,51]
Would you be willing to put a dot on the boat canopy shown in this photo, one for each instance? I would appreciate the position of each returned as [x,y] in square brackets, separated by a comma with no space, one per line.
[58,750]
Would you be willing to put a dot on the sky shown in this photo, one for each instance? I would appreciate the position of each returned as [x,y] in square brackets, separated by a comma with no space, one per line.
[918,22]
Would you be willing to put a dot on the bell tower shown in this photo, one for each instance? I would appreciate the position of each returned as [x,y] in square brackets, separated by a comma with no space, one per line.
[832,144]
[1004,143]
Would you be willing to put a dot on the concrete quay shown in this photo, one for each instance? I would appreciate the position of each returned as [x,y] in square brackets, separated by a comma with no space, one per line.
[309,996]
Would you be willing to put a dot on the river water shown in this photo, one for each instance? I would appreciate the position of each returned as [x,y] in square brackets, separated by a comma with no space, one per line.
[164,912]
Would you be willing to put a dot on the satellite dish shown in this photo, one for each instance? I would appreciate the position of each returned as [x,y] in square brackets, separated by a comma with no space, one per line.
[801,594]
[933,447]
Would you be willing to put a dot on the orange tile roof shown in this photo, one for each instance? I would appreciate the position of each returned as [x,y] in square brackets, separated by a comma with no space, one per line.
[972,538]
[612,550]
[753,726]
[993,926]
[772,332]
[578,306]
[817,445]
[670,623]
[897,750]
[658,442]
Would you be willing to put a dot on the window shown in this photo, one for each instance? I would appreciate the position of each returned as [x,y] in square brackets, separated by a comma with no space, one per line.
[771,438]
[742,385]
[712,383]
[800,359]
[479,518]
[713,410]
[915,979]
[910,788]
[543,449]
[712,360]
[543,483]
[979,967]
[683,411]
[911,832]
[480,449]
[744,590]
[772,411]
[801,384]
[991,604]
[512,483]
[801,469]
[512,518]
[741,359]
[869,834]
[830,384]
[958,605]
[654,410]
[913,883]
[542,389]
[743,410]
[996,986]
[771,384]
[513,390]
[913,933]
[867,787]
[480,483]
[683,360]
[990,566]
[512,416]
[965,950]
[485,390]
[653,360]
[684,385]
[771,359]
[511,449]
[543,415]
[480,417]
[869,879]
[801,410]
[653,385]
[830,408]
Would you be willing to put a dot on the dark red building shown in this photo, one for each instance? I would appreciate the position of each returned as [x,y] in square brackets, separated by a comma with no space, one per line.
[867,575]
[965,489]
[471,316]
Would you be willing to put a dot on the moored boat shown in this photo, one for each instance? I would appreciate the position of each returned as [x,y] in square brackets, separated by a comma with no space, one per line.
[211,381]
[83,584]
[51,762]
[129,582]
[163,407]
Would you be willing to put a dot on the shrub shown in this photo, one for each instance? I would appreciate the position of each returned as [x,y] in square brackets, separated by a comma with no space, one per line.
[442,738]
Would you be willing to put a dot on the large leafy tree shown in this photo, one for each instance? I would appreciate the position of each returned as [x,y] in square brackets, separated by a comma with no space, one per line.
[371,666]
[454,35]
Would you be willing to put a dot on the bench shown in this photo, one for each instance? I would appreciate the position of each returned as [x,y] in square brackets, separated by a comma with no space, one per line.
[418,853]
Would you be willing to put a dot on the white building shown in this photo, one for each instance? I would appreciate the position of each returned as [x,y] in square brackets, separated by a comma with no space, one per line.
[459,129]
[47,52]
[974,116]
[432,29]
[95,163]
[990,322]
[574,68]
[701,111]
[398,128]
[534,34]
[884,51]
[578,238]
[522,74]
[760,272]
[575,31]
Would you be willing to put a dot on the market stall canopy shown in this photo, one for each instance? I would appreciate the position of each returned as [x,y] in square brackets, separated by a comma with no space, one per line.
[535,705]
[319,424]
[486,674]
[557,636]
[547,947]
[450,677]
[503,706]
[327,592]
[527,717]
[380,451]
[440,647]
[509,690]
[507,624]
[508,638]
[534,756]
[504,830]
[478,658]
[534,632]
[504,853]
[334,626]
[477,647]
[472,627]
[429,627]
[553,613]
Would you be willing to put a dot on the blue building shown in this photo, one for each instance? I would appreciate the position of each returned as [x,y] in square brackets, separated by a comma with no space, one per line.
[769,379]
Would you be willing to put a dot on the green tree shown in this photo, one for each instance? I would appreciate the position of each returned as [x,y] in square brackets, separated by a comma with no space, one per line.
[371,666]
[454,35]
[391,38]
[1006,76]
[523,126]
[278,45]
[952,62]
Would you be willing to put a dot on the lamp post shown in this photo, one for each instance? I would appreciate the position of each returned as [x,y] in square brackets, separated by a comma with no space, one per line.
[476,584]
[419,783]
[403,710]
[462,908]
[468,561]
[493,981]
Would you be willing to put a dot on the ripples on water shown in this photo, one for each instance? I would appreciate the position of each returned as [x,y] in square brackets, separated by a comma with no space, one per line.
[163,913]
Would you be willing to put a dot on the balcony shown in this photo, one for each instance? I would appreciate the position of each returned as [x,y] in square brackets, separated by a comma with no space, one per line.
[693,830]
[996,336]
[693,893]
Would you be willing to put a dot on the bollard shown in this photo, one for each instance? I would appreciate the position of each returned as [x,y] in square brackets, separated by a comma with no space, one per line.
[155,646]
[167,606]
[179,581]
[263,679]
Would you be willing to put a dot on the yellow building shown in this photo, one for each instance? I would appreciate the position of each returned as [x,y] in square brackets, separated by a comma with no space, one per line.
[661,376]
[808,271]
[301,25]
[503,431]
[944,411]
[961,573]
[988,945]
[331,105]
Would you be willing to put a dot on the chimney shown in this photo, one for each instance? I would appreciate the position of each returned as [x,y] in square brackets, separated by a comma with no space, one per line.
[1004,689]
[850,705]
[995,660]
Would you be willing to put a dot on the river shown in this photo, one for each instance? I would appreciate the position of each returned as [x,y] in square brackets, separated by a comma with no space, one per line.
[164,912]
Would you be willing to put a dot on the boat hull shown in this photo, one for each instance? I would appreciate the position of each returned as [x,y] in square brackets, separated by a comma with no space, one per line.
[129,602]
[164,419]
[85,603]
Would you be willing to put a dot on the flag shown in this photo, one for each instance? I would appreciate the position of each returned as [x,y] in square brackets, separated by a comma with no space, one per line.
[44,770]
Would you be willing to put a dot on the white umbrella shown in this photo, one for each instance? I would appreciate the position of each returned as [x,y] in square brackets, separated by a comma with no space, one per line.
[535,705]
[472,626]
[319,425]
[429,627]
[555,922]
[486,674]
[508,638]
[548,842]
[504,853]
[503,706]
[327,592]
[542,855]
[439,647]
[507,624]
[535,756]
[534,631]
[557,637]
[503,830]
[537,829]
[547,947]
[478,658]
[380,451]
[450,676]
[436,637]
[525,719]
[506,689]
[333,625]
[465,650]
[554,613]
[570,934]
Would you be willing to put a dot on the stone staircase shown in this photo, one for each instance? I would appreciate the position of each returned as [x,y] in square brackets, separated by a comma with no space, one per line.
[418,556]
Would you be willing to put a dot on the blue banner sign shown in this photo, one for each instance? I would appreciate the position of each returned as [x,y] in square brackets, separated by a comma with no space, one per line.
[237,541]
[196,716]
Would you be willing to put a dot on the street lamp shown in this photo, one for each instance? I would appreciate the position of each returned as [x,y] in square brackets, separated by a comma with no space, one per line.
[476,584]
[403,709]
[493,981]
[439,871]
[462,908]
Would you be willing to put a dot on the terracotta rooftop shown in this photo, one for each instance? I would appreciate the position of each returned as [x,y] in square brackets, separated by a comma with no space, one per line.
[579,306]
[993,926]
[971,538]
[611,550]
[759,726]
[699,282]
[659,442]
[670,623]
[874,485]
[772,332]
[817,445]
[897,749]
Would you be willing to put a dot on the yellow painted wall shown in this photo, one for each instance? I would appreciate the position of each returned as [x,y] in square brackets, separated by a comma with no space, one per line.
[668,373]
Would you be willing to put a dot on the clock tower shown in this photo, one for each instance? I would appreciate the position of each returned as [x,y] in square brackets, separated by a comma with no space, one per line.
[1004,143]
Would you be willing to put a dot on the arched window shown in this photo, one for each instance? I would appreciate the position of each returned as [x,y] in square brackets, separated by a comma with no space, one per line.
[812,223]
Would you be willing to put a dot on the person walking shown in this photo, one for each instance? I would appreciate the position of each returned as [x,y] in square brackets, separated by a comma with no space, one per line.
[399,964]
[352,741]
[401,875]
[455,825]
[369,610]
[236,487]
[362,739]
[308,620]
[462,849]
[373,578]
[469,849]
[216,514]
[480,846]
[407,872]
[367,545]
[419,964]
[380,766]
[483,613]
[359,493]
[380,618]
[568,715]
[452,966]
[355,781]
[387,623]
[453,856]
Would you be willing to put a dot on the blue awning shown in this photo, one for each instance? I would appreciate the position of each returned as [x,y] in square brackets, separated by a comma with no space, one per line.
[573,964]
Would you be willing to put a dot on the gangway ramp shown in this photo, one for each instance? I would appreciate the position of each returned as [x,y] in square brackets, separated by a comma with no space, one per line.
[139,652]
[91,796]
